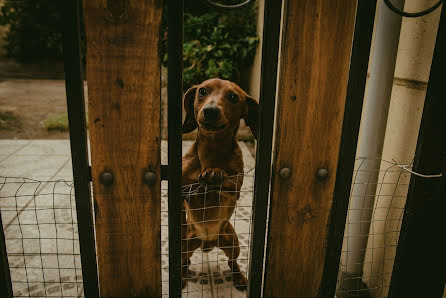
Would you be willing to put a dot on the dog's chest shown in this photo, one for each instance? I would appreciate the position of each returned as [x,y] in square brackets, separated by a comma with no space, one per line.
[206,212]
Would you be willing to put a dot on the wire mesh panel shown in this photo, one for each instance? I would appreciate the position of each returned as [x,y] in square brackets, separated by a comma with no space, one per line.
[376,207]
[41,234]
[41,231]
[223,222]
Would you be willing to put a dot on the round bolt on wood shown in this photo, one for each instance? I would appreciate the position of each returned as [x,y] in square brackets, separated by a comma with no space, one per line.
[285,173]
[150,178]
[106,178]
[321,174]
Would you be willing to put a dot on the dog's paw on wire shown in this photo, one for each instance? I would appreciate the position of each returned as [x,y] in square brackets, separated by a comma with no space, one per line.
[212,176]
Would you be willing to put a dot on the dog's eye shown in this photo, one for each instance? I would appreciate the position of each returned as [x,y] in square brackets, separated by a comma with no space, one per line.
[202,92]
[234,97]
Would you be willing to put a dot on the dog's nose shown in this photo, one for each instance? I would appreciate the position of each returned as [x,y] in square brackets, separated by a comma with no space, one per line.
[211,113]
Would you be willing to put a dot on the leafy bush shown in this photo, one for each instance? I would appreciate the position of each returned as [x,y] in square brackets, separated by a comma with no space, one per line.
[35,29]
[216,43]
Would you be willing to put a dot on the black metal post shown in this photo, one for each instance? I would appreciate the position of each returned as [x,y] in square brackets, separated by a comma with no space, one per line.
[365,16]
[174,103]
[5,274]
[420,261]
[78,138]
[267,100]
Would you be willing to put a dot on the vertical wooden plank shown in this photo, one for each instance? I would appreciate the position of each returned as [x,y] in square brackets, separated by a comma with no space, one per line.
[316,49]
[123,73]
[365,18]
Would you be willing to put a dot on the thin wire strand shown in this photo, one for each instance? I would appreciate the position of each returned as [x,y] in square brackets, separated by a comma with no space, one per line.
[387,213]
[405,168]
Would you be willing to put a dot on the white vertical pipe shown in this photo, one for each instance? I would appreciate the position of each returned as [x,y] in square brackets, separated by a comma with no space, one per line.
[415,51]
[372,133]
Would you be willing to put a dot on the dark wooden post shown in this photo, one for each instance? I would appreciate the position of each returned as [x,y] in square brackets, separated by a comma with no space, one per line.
[5,274]
[123,74]
[419,268]
[74,85]
[314,71]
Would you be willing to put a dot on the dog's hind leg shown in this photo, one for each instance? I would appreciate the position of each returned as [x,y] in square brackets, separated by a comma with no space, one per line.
[189,243]
[228,242]
[188,246]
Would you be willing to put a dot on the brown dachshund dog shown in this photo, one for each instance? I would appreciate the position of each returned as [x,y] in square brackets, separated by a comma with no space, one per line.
[211,170]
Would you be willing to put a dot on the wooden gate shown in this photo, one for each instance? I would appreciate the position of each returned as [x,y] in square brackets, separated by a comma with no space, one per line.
[305,174]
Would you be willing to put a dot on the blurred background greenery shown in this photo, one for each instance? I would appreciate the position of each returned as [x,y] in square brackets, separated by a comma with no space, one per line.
[216,43]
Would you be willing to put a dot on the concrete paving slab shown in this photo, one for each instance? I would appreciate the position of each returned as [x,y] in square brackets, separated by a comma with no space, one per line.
[46,148]
[65,173]
[8,147]
[32,166]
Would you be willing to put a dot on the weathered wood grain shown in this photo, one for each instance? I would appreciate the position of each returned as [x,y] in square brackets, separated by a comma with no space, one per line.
[315,57]
[123,73]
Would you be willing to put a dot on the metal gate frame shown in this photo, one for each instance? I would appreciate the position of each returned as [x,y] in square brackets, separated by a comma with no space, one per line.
[74,83]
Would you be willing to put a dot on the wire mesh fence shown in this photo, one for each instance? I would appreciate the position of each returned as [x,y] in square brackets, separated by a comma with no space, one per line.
[40,227]
[376,207]
[42,242]
[209,208]
[216,231]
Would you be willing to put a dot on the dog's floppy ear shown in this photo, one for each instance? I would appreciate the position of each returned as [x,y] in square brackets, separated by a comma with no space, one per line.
[190,123]
[252,115]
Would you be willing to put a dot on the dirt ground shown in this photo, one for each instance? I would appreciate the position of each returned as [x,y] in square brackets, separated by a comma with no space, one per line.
[33,92]
[30,102]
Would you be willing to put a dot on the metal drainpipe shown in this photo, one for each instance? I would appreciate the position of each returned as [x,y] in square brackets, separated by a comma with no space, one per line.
[370,146]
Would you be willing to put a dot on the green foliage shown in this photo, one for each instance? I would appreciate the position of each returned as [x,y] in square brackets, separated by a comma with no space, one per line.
[35,29]
[216,43]
[7,119]
[57,122]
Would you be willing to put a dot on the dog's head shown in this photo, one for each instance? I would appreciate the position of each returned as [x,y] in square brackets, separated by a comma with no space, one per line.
[216,107]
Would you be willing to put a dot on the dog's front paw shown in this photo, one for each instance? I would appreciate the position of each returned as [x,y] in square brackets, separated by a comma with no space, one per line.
[239,281]
[212,176]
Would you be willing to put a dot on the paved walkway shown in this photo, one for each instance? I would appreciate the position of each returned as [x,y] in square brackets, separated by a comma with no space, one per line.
[39,219]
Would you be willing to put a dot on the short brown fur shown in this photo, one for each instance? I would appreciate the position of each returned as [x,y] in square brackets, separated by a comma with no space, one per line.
[215,160]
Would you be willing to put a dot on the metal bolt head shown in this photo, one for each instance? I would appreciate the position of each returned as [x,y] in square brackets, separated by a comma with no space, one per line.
[321,174]
[285,173]
[150,178]
[106,178]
